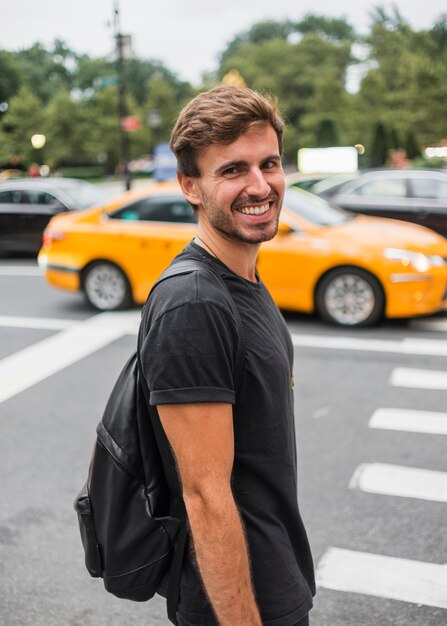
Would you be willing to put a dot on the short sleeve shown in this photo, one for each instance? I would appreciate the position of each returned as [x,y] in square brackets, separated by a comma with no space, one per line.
[189,355]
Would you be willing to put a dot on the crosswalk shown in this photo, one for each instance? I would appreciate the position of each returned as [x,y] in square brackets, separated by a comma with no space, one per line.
[382,575]
[419,379]
[429,422]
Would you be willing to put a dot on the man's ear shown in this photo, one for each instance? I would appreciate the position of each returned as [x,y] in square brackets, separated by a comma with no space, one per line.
[190,188]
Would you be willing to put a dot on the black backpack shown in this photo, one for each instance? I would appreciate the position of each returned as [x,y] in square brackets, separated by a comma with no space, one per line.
[132,523]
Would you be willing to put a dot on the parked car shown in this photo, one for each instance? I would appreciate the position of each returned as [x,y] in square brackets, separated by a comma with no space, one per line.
[316,183]
[352,270]
[418,196]
[27,205]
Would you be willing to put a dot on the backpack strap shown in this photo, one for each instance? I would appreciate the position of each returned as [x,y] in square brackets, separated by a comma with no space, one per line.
[177,268]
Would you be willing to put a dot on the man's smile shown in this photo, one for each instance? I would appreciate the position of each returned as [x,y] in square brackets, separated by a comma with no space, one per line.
[254,210]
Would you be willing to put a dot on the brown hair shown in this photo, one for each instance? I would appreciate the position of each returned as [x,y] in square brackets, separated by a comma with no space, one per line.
[220,115]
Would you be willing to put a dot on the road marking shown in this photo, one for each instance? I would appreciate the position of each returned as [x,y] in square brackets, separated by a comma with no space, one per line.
[39,361]
[418,379]
[420,347]
[427,422]
[383,576]
[37,323]
[17,270]
[396,480]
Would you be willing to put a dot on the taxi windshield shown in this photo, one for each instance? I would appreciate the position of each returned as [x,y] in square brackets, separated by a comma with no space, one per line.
[314,209]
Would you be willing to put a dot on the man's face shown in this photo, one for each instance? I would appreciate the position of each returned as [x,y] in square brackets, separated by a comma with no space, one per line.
[241,186]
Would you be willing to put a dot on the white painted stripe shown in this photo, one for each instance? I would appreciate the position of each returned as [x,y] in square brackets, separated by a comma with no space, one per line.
[383,576]
[18,270]
[429,347]
[427,422]
[35,363]
[421,347]
[38,323]
[418,379]
[396,480]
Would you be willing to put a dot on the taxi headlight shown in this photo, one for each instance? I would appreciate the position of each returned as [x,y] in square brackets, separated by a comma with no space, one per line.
[417,260]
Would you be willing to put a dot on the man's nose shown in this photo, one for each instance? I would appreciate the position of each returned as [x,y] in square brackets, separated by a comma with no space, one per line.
[257,184]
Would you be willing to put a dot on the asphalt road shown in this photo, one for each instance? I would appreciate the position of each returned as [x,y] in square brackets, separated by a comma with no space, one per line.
[373,494]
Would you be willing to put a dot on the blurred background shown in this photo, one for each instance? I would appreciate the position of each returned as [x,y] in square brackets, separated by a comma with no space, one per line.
[89,90]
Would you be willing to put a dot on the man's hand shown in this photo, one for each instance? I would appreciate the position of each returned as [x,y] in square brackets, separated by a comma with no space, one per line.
[201,436]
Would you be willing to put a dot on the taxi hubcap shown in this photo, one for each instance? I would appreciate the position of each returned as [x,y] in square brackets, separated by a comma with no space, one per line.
[349,299]
[105,287]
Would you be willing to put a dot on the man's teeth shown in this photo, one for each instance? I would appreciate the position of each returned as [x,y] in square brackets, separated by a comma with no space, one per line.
[255,210]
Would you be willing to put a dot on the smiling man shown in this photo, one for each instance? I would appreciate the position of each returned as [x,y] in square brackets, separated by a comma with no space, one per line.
[230,429]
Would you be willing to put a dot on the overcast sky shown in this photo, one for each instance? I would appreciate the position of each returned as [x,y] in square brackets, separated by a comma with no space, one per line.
[186,35]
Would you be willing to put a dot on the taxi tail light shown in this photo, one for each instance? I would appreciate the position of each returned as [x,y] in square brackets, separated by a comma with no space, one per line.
[50,236]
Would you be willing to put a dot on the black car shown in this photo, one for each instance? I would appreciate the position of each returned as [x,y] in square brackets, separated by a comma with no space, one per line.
[27,204]
[418,196]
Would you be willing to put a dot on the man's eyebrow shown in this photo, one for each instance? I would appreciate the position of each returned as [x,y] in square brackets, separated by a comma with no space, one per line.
[272,157]
[242,163]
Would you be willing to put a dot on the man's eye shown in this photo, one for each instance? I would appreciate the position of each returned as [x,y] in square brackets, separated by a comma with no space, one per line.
[231,171]
[268,165]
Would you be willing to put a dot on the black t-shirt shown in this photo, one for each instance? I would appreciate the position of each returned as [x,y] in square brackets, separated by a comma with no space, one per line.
[189,355]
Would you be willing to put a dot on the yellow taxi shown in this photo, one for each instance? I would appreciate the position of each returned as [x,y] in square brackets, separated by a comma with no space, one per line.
[350,269]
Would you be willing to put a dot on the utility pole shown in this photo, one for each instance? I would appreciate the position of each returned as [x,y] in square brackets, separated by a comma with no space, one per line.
[122,108]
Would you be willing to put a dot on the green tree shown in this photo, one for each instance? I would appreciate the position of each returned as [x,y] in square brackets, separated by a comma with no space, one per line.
[47,71]
[101,117]
[412,147]
[260,32]
[327,134]
[394,139]
[141,72]
[163,100]
[25,118]
[10,77]
[406,86]
[380,146]
[337,30]
[67,131]
[89,70]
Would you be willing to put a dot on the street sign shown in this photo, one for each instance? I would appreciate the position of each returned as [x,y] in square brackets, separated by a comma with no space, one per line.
[105,81]
[131,122]
[165,163]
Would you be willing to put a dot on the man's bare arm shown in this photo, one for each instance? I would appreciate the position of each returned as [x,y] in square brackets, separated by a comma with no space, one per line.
[201,436]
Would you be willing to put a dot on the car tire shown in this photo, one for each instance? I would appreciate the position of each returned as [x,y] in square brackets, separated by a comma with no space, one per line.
[350,296]
[106,287]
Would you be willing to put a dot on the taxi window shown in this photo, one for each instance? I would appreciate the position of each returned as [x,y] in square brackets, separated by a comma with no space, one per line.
[395,187]
[429,188]
[157,210]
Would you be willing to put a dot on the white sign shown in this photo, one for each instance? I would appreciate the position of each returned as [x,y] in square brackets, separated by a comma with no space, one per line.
[327,160]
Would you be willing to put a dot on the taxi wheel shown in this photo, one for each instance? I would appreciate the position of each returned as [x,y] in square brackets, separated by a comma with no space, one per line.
[349,296]
[106,287]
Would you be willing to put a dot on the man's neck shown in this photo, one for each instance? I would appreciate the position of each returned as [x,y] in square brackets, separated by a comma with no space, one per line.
[239,257]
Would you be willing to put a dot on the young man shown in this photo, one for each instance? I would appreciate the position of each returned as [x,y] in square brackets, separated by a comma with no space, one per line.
[249,562]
